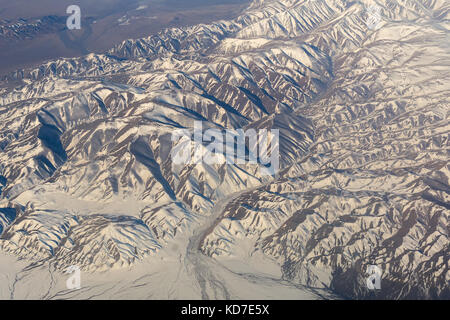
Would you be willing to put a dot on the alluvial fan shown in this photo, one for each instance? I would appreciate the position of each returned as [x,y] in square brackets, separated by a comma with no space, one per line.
[361,102]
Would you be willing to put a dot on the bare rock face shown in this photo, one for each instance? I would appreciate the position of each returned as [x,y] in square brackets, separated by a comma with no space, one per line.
[362,107]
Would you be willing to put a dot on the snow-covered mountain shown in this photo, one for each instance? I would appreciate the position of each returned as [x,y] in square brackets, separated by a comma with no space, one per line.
[86,174]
